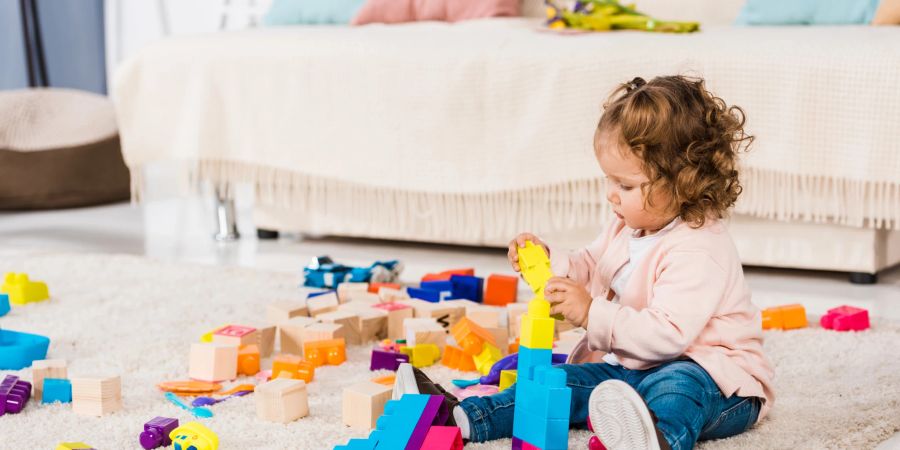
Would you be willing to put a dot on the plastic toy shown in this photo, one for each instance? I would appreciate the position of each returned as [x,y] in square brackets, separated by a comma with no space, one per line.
[282,400]
[46,368]
[208,336]
[21,290]
[445,275]
[374,288]
[213,362]
[537,326]
[194,436]
[507,379]
[456,358]
[486,359]
[96,396]
[422,355]
[429,295]
[607,15]
[363,403]
[324,273]
[209,401]
[445,287]
[332,351]
[248,360]
[14,394]
[501,290]
[786,317]
[471,337]
[477,390]
[190,387]
[443,438]
[295,365]
[18,350]
[845,318]
[387,380]
[197,411]
[387,360]
[74,446]
[468,287]
[57,390]
[404,424]
[4,304]
[156,432]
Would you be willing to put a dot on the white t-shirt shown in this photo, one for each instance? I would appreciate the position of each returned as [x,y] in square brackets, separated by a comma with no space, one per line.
[637,249]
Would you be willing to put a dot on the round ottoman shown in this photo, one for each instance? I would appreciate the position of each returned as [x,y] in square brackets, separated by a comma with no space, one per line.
[59,148]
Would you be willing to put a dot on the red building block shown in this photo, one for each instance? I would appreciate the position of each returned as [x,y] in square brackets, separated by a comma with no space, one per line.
[845,318]
[445,275]
[442,438]
[500,290]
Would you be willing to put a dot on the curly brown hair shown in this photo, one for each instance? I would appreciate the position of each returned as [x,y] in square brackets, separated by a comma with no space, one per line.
[687,139]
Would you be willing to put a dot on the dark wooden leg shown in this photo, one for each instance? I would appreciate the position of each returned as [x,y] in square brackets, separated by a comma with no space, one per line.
[863,278]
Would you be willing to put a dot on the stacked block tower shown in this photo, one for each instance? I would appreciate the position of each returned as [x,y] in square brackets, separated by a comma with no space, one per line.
[543,400]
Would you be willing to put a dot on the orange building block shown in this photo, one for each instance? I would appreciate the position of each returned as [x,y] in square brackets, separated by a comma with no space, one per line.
[501,289]
[455,358]
[374,287]
[471,337]
[787,317]
[248,360]
[299,369]
[387,380]
[445,275]
[329,351]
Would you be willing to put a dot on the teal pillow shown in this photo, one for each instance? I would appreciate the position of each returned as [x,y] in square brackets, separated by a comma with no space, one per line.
[312,12]
[807,12]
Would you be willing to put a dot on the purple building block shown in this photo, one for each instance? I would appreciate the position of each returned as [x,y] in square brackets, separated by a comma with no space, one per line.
[14,393]
[156,432]
[387,360]
[431,412]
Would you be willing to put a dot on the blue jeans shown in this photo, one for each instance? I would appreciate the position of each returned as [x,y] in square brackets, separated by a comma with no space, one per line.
[687,403]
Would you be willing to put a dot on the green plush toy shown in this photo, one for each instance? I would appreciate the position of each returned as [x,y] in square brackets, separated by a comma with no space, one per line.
[607,15]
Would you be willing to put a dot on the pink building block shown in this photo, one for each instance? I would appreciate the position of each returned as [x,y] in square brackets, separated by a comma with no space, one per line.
[443,438]
[845,318]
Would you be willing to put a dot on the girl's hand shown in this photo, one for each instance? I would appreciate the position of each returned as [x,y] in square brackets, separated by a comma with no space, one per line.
[570,299]
[519,241]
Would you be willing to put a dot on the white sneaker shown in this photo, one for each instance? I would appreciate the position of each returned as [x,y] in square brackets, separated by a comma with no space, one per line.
[620,419]
[405,382]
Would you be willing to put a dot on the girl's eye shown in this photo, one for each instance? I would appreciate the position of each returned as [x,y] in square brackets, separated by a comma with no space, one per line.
[624,188]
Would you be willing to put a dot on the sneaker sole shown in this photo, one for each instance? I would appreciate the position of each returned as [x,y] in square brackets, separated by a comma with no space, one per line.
[405,382]
[620,417]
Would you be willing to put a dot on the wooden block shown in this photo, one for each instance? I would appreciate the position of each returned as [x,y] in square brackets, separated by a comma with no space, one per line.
[363,403]
[424,331]
[390,295]
[213,362]
[396,314]
[285,310]
[281,400]
[501,335]
[514,313]
[236,335]
[446,313]
[99,395]
[485,316]
[346,291]
[266,340]
[322,304]
[46,368]
[372,324]
[350,321]
[360,302]
[291,334]
[323,331]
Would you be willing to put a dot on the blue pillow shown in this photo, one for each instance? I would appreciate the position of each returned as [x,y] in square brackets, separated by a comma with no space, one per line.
[807,12]
[312,12]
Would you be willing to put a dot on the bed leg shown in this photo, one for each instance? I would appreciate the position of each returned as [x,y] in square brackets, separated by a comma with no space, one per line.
[226,222]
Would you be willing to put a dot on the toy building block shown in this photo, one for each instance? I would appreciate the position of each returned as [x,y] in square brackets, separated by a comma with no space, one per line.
[346,291]
[282,400]
[374,288]
[501,337]
[57,390]
[424,331]
[507,379]
[541,416]
[396,314]
[403,425]
[14,394]
[266,340]
[443,438]
[322,303]
[4,304]
[46,368]
[428,295]
[236,335]
[248,360]
[535,267]
[194,435]
[372,323]
[537,326]
[323,331]
[285,310]
[514,312]
[291,334]
[390,295]
[445,287]
[363,403]
[446,313]
[445,275]
[349,320]
[485,316]
[845,318]
[19,349]
[156,432]
[74,446]
[331,351]
[96,396]
[387,360]
[486,359]
[455,358]
[501,290]
[468,287]
[471,337]
[422,355]
[295,366]
[387,380]
[208,336]
[213,362]
[787,317]
[21,290]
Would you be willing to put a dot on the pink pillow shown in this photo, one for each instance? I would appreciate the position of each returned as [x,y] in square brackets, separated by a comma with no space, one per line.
[399,11]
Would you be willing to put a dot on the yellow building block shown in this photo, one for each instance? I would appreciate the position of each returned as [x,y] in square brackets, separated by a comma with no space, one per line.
[507,378]
[21,290]
[196,435]
[486,359]
[72,446]
[422,355]
[537,326]
[535,267]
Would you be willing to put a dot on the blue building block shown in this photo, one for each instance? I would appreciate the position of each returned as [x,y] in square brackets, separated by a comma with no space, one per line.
[358,444]
[316,294]
[542,410]
[4,304]
[428,295]
[444,287]
[468,287]
[18,350]
[403,425]
[57,390]
[529,358]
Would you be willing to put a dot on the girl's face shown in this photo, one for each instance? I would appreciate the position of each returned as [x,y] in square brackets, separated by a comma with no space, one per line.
[624,179]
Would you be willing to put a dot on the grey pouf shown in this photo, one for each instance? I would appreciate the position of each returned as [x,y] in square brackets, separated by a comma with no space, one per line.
[59,148]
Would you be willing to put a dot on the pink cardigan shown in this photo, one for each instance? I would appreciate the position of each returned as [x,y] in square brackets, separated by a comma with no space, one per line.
[687,297]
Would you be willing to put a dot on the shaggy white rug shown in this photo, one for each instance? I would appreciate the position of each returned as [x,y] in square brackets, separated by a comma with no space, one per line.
[137,317]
